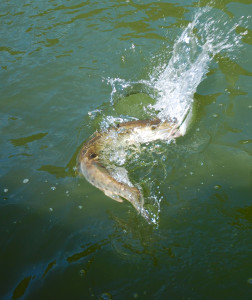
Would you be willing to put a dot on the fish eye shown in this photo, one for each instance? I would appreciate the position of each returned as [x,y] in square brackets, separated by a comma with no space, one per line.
[153,127]
[92,155]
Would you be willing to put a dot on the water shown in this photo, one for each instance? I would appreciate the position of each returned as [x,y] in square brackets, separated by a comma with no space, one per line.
[68,69]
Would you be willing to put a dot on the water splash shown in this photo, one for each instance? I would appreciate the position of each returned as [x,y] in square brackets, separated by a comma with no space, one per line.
[209,33]
[174,84]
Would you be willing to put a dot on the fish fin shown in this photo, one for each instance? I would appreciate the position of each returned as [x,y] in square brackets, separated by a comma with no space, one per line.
[113,196]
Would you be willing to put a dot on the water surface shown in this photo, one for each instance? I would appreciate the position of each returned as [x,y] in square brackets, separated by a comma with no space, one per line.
[65,68]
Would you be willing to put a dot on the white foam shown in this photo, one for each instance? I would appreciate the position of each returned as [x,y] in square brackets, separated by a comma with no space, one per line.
[209,33]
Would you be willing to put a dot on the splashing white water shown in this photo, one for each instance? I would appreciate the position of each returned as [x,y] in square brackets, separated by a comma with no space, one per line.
[175,83]
[209,33]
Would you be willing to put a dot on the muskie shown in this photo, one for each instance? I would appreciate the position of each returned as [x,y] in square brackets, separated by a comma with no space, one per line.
[127,133]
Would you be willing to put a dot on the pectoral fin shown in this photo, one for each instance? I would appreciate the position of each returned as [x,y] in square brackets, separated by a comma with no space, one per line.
[113,196]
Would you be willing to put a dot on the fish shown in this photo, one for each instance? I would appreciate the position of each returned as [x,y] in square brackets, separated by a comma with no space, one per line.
[129,133]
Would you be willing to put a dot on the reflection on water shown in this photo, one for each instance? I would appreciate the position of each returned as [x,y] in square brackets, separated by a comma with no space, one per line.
[62,238]
[25,140]
[21,288]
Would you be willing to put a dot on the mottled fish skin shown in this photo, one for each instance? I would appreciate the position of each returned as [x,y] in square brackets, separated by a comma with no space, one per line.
[97,174]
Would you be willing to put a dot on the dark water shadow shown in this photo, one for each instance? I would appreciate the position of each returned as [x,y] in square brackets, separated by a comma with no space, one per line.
[61,172]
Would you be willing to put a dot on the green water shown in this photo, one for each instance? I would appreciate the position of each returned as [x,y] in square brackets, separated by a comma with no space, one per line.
[61,238]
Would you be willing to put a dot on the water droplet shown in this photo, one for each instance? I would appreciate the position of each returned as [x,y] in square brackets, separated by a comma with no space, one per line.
[80,206]
[215,115]
[26,180]
[250,280]
[82,272]
[245,141]
[50,209]
[53,188]
[244,33]
[106,296]
[6,190]
[217,187]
